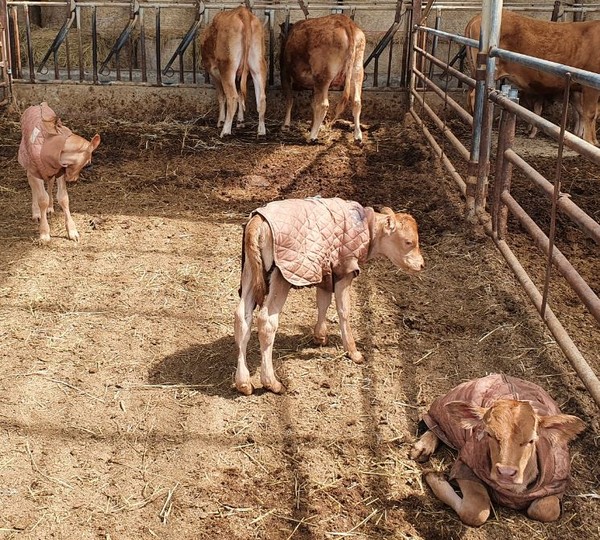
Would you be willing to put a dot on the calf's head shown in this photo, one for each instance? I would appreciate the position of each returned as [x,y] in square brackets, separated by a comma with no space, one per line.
[511,429]
[77,154]
[397,238]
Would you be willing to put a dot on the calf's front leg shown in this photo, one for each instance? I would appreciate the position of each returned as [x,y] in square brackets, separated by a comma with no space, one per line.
[63,201]
[342,303]
[39,205]
[425,447]
[473,508]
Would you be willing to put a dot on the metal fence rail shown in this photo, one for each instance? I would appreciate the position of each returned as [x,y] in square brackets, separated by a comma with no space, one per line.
[137,47]
[499,201]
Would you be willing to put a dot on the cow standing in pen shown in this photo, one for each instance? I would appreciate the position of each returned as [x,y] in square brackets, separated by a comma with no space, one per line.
[50,151]
[305,242]
[512,447]
[318,54]
[571,44]
[232,46]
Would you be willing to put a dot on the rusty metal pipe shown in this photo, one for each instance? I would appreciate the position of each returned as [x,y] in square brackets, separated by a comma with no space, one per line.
[587,224]
[441,154]
[578,284]
[568,347]
[455,106]
[460,148]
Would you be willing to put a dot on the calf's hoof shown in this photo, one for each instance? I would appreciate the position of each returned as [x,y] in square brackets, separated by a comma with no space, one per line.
[74,235]
[320,340]
[421,451]
[44,238]
[274,386]
[356,357]
[546,509]
[245,388]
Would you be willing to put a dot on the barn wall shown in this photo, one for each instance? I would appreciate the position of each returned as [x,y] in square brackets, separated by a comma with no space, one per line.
[139,103]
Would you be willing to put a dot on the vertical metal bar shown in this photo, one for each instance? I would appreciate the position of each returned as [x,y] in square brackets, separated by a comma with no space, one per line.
[29,42]
[503,176]
[94,47]
[434,42]
[389,68]
[555,195]
[117,58]
[406,65]
[131,56]
[158,62]
[376,72]
[194,61]
[143,45]
[271,22]
[68,53]
[80,43]
[55,60]
[181,78]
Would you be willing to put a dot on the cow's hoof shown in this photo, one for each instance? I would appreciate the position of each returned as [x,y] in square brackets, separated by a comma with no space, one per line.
[358,142]
[44,238]
[356,357]
[245,388]
[241,124]
[74,235]
[313,141]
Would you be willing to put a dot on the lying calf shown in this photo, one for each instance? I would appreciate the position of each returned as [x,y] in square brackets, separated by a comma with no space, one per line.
[512,444]
[50,150]
[307,242]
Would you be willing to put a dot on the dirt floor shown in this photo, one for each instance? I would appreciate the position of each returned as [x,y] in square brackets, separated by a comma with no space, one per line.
[118,413]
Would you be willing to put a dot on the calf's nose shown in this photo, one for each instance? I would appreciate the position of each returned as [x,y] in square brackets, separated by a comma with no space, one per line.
[506,471]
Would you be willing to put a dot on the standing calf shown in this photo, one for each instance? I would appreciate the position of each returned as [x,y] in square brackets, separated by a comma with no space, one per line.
[512,444]
[232,45]
[308,242]
[319,53]
[50,150]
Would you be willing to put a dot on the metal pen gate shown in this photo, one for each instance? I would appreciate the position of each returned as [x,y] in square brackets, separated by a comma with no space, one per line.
[473,173]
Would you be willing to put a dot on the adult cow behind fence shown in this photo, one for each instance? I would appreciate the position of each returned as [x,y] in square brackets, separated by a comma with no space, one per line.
[318,54]
[233,45]
[304,242]
[572,44]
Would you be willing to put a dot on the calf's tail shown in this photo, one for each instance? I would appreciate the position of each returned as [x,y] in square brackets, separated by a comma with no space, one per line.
[247,37]
[349,70]
[251,256]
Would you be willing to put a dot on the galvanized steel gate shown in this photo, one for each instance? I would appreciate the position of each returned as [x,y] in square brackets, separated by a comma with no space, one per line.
[490,207]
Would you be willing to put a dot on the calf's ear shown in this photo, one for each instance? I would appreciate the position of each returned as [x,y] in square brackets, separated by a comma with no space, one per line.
[95,141]
[467,414]
[561,427]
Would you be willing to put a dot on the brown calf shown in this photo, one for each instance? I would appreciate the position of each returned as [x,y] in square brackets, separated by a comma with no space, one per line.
[512,445]
[320,52]
[312,242]
[49,150]
[233,45]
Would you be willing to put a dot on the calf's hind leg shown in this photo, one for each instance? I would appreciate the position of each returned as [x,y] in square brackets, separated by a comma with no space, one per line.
[242,330]
[473,508]
[268,322]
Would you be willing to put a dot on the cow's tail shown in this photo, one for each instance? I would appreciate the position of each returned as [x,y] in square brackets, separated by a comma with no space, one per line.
[247,37]
[349,80]
[252,256]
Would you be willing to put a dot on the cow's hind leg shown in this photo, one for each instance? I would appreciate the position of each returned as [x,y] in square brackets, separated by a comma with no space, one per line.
[63,201]
[268,322]
[232,99]
[40,199]
[242,329]
[473,508]
[323,303]
[320,108]
[216,79]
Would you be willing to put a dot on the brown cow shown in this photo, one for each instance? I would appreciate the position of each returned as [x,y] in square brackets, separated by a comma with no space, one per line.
[306,242]
[571,44]
[50,151]
[316,53]
[233,45]
[512,441]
